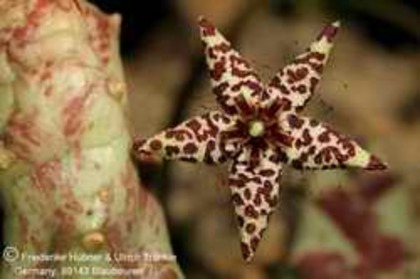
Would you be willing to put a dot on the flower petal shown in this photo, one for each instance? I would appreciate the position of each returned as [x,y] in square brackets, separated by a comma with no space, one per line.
[235,84]
[197,139]
[296,82]
[255,192]
[318,146]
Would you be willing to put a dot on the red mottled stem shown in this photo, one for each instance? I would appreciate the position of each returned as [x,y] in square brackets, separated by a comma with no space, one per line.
[67,183]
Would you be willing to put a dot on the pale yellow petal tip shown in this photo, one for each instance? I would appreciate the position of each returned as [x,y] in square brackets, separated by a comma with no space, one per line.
[93,241]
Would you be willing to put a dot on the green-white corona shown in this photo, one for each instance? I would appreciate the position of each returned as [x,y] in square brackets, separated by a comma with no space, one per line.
[256,128]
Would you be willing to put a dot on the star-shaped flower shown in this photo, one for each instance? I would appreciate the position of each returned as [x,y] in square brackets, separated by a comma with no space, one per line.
[258,130]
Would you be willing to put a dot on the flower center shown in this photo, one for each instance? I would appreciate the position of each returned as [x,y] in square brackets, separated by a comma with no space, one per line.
[256,128]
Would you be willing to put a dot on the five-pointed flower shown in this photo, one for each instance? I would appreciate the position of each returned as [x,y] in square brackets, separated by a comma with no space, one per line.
[258,130]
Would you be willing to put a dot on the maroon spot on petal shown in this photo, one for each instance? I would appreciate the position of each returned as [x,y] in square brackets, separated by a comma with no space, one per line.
[318,56]
[303,59]
[246,254]
[297,75]
[190,148]
[313,82]
[261,232]
[318,158]
[297,164]
[209,51]
[178,135]
[172,150]
[301,73]
[231,110]
[211,146]
[256,180]
[240,220]
[283,89]
[375,164]
[247,194]
[334,153]
[250,228]
[190,159]
[222,47]
[254,243]
[275,82]
[257,200]
[301,89]
[225,119]
[317,67]
[237,183]
[237,200]
[275,158]
[294,121]
[329,32]
[156,144]
[237,70]
[324,137]
[306,138]
[298,144]
[287,104]
[267,172]
[207,28]
[272,201]
[311,150]
[268,187]
[138,144]
[251,212]
[265,191]
[282,156]
[303,157]
[194,125]
[313,123]
[219,69]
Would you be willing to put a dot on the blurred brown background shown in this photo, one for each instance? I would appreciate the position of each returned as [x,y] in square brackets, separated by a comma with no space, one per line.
[330,224]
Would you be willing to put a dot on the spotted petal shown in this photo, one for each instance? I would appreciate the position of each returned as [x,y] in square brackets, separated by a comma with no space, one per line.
[296,82]
[318,146]
[255,192]
[232,78]
[197,139]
